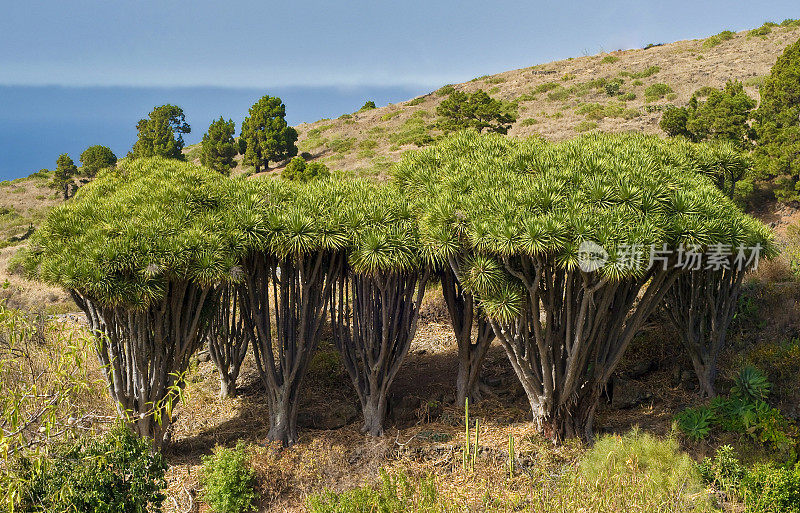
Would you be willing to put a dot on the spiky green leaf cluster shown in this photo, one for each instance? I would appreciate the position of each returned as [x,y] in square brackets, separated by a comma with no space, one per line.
[135,228]
[504,198]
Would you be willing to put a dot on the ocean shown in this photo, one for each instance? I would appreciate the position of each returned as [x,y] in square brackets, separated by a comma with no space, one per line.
[38,123]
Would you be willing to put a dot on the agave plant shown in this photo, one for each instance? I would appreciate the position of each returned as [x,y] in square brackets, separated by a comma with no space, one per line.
[751,385]
[518,225]
[141,249]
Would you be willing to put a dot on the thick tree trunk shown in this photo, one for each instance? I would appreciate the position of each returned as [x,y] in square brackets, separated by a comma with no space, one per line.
[283,405]
[145,351]
[701,305]
[472,348]
[374,409]
[571,335]
[283,303]
[374,319]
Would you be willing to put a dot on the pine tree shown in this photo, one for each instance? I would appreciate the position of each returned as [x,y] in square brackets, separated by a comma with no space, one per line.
[267,137]
[161,134]
[65,171]
[219,147]
[95,158]
[777,124]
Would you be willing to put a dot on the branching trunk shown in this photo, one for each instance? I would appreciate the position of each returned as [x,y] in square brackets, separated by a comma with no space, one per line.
[701,305]
[571,336]
[228,339]
[283,302]
[374,319]
[145,351]
[471,349]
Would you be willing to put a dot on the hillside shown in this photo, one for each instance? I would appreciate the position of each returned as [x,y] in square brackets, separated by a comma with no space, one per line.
[557,100]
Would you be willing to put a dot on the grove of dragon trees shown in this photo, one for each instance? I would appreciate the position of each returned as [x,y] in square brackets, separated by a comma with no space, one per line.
[164,256]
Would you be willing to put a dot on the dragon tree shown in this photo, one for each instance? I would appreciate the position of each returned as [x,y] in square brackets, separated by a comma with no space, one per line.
[703,300]
[376,303]
[142,249]
[569,248]
[434,179]
[295,237]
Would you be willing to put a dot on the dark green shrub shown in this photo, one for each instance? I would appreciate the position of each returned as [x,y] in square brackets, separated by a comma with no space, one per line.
[115,473]
[763,30]
[445,90]
[609,59]
[723,471]
[725,35]
[227,480]
[300,170]
[777,125]
[657,91]
[673,122]
[612,88]
[367,106]
[416,101]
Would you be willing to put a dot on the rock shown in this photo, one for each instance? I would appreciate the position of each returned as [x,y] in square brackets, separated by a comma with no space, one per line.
[203,356]
[627,394]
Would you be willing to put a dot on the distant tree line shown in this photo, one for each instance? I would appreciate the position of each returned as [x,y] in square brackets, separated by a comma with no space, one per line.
[770,132]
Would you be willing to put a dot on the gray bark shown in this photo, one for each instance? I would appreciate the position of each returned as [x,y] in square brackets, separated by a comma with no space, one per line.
[283,302]
[143,351]
[228,339]
[374,319]
[701,305]
[571,336]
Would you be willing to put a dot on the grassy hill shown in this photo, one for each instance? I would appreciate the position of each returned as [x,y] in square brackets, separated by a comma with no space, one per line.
[557,100]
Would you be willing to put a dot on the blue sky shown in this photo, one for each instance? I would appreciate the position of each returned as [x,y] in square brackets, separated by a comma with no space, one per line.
[327,43]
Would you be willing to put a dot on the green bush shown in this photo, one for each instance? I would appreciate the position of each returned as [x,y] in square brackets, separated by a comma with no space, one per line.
[546,87]
[723,471]
[657,91]
[416,101]
[695,422]
[300,170]
[395,494]
[367,106]
[114,473]
[777,125]
[647,72]
[585,126]
[646,469]
[718,39]
[763,30]
[609,59]
[445,90]
[772,489]
[228,480]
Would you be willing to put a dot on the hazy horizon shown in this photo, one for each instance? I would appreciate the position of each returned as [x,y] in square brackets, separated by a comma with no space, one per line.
[38,123]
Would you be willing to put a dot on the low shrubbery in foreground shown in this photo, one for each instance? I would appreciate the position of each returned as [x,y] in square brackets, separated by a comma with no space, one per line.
[635,472]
